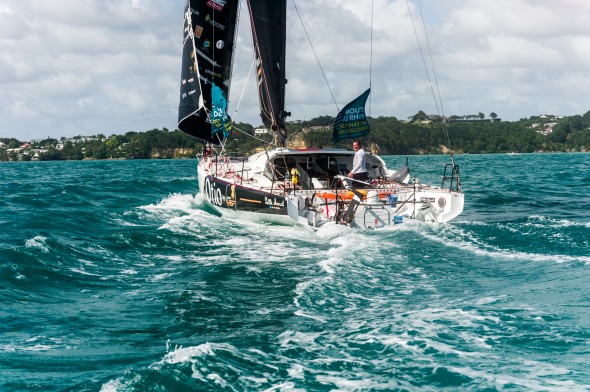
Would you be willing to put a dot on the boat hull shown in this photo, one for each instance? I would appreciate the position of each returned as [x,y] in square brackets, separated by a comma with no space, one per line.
[245,189]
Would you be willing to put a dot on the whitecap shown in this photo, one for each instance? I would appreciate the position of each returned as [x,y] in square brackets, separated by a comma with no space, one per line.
[38,242]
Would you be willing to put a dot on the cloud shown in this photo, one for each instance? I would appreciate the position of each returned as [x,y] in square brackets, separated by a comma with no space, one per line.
[70,67]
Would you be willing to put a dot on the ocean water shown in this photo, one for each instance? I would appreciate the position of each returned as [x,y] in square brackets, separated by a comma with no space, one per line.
[115,277]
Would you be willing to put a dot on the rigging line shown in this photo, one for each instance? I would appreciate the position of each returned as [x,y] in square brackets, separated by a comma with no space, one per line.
[196,62]
[315,54]
[371,59]
[445,126]
[249,135]
[249,72]
[431,58]
[243,91]
[422,55]
[258,54]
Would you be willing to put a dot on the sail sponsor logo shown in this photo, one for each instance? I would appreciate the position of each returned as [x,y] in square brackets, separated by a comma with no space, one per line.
[354,114]
[198,31]
[214,74]
[217,5]
[206,45]
[213,23]
[213,193]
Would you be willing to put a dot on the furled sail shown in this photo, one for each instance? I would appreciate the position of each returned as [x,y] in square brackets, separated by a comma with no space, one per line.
[207,56]
[269,29]
[351,122]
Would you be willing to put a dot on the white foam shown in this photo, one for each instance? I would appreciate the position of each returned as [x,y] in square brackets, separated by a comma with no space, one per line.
[38,242]
[475,246]
[82,272]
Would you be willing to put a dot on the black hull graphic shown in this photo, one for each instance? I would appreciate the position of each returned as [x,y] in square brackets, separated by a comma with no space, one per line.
[224,194]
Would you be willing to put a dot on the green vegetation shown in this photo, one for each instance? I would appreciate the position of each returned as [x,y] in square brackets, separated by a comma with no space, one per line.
[422,134]
[468,134]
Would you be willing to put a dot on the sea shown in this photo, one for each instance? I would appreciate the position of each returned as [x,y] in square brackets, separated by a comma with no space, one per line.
[114,276]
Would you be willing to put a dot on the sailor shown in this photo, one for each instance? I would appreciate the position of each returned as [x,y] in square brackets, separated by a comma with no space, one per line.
[358,172]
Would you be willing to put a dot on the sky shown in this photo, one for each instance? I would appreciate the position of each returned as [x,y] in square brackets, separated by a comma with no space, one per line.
[87,67]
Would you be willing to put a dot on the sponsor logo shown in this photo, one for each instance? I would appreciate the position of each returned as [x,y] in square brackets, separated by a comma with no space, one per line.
[213,193]
[427,200]
[217,5]
[205,47]
[273,202]
[198,31]
[219,44]
[213,23]
[214,74]
[232,198]
[442,202]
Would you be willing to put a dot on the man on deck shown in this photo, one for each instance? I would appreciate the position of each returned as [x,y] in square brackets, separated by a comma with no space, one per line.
[358,172]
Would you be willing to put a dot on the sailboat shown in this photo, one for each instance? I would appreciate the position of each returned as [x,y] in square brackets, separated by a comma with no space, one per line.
[309,186]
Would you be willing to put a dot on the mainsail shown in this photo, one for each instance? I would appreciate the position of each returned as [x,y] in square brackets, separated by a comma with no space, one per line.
[268,19]
[207,56]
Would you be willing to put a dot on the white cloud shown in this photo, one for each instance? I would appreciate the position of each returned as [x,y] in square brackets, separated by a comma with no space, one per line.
[71,67]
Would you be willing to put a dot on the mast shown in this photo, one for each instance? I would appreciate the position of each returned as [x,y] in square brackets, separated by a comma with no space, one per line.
[269,33]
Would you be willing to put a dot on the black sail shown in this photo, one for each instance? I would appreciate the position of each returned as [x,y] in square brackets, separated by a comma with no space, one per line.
[207,56]
[268,19]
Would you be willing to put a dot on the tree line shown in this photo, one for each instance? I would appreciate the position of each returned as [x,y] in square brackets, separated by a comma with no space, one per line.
[389,136]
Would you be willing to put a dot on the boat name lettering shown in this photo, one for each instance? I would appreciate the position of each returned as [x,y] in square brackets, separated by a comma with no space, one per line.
[213,193]
[273,202]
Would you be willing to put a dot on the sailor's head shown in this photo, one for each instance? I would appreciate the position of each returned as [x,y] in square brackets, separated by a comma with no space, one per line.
[356,144]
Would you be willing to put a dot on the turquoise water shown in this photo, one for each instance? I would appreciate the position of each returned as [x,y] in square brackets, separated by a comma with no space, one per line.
[115,277]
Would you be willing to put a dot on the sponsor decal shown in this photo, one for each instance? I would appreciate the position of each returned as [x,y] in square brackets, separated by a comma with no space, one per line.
[219,44]
[217,5]
[213,23]
[198,31]
[427,200]
[273,203]
[213,193]
[232,198]
[210,72]
[206,45]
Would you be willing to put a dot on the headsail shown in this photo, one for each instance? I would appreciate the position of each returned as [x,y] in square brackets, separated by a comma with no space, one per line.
[351,121]
[207,56]
[269,29]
